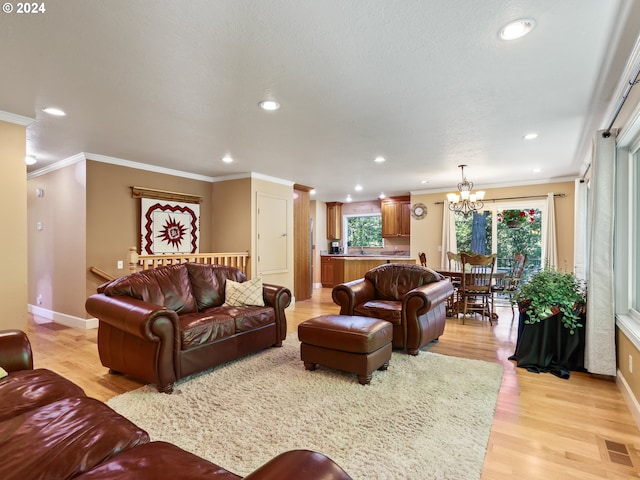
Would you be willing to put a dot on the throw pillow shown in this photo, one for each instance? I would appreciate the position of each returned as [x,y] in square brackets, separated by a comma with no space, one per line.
[245,293]
[3,372]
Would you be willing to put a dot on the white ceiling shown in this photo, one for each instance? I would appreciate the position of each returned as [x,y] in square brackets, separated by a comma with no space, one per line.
[427,84]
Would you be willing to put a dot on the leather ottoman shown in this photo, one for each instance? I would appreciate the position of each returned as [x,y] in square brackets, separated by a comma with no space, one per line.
[353,344]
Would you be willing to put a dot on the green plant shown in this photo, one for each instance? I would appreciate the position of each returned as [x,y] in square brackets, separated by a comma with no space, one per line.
[551,291]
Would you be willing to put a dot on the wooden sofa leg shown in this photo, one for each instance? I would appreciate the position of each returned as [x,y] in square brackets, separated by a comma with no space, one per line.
[114,372]
[168,389]
[279,344]
[413,351]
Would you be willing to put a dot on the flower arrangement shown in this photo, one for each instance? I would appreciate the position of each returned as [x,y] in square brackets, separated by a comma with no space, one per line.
[517,217]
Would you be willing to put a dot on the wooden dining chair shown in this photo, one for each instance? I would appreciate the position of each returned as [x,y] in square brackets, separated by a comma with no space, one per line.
[423,258]
[475,292]
[511,281]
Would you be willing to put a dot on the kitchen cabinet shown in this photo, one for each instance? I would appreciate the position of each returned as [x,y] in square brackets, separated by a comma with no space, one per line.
[326,271]
[334,220]
[396,217]
[341,268]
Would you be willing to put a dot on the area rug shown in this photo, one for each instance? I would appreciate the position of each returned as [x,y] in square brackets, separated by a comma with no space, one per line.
[426,417]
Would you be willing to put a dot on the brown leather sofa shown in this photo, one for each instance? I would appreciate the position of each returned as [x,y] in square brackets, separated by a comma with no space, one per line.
[411,297]
[164,324]
[50,430]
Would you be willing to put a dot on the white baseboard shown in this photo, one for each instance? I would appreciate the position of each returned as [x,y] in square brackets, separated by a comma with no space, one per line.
[63,318]
[317,285]
[629,397]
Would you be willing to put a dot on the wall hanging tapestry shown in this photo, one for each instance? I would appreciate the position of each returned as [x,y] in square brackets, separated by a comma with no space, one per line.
[169,227]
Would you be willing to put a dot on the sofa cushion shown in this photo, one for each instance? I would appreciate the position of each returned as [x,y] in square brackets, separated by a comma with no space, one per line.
[392,281]
[157,461]
[208,283]
[169,286]
[389,310]
[205,327]
[243,293]
[25,390]
[64,439]
[248,317]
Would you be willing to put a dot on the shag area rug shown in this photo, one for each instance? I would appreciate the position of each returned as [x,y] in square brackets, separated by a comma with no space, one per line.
[426,417]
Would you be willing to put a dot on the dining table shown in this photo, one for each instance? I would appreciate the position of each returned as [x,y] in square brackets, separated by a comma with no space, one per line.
[456,277]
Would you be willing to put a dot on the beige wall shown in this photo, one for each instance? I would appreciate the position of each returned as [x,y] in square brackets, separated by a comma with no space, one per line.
[231,216]
[113,216]
[426,234]
[57,252]
[13,241]
[626,349]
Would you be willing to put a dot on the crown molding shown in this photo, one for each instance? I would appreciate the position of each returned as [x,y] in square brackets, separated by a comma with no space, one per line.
[78,157]
[498,185]
[17,119]
[147,167]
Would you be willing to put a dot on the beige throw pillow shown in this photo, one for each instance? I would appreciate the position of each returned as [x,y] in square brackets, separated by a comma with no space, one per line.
[3,372]
[246,293]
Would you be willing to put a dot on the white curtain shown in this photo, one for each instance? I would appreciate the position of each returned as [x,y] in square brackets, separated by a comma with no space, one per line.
[600,349]
[580,230]
[449,242]
[549,246]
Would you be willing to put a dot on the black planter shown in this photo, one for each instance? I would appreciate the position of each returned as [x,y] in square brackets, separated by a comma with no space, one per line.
[547,346]
[514,224]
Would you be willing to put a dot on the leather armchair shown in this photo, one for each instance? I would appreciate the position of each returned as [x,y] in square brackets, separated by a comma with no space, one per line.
[411,297]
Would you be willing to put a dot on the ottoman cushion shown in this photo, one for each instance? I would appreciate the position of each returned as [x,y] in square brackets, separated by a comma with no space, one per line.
[346,333]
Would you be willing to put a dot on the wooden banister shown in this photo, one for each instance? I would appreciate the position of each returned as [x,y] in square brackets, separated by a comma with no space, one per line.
[101,274]
[138,262]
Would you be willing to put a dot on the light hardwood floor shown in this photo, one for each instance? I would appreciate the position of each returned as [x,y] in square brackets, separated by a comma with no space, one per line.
[544,427]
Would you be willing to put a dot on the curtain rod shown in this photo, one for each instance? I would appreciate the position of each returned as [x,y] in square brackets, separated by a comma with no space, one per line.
[634,81]
[514,198]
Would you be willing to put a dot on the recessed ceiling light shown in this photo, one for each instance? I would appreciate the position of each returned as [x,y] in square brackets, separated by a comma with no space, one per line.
[517,29]
[348,198]
[537,170]
[381,196]
[54,111]
[227,159]
[530,136]
[380,159]
[269,105]
[424,181]
[312,191]
[358,188]
[30,160]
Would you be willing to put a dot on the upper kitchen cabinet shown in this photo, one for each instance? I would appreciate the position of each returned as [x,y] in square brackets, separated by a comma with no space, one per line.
[334,220]
[396,217]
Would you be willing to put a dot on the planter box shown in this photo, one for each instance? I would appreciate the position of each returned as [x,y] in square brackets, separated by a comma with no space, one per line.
[547,346]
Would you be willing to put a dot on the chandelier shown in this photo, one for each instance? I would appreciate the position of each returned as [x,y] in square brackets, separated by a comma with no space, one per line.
[465,201]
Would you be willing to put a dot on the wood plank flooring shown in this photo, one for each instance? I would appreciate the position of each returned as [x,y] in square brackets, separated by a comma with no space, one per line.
[544,427]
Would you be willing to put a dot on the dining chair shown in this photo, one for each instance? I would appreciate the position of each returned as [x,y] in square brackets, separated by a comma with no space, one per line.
[423,258]
[455,264]
[475,292]
[511,281]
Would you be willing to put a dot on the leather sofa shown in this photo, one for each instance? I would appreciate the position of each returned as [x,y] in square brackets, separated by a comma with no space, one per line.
[411,297]
[163,324]
[50,430]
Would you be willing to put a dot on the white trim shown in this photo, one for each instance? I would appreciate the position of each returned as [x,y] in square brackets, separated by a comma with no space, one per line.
[268,178]
[498,185]
[630,327]
[17,119]
[79,157]
[145,166]
[63,318]
[629,397]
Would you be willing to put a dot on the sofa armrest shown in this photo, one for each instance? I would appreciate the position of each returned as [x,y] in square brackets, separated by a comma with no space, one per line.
[350,294]
[279,298]
[133,316]
[298,464]
[427,296]
[15,351]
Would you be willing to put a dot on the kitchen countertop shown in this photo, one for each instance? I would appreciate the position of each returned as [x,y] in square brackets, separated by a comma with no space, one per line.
[356,256]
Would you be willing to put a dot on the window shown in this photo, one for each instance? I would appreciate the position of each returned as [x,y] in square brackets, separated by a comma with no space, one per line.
[364,230]
[635,232]
[506,229]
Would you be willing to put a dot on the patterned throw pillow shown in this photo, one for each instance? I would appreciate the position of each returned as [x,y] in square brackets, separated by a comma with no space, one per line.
[246,293]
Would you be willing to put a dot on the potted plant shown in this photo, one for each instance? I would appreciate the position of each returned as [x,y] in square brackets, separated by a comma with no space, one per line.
[516,218]
[550,292]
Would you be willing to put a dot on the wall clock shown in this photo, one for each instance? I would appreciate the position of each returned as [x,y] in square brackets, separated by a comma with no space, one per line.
[419,211]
